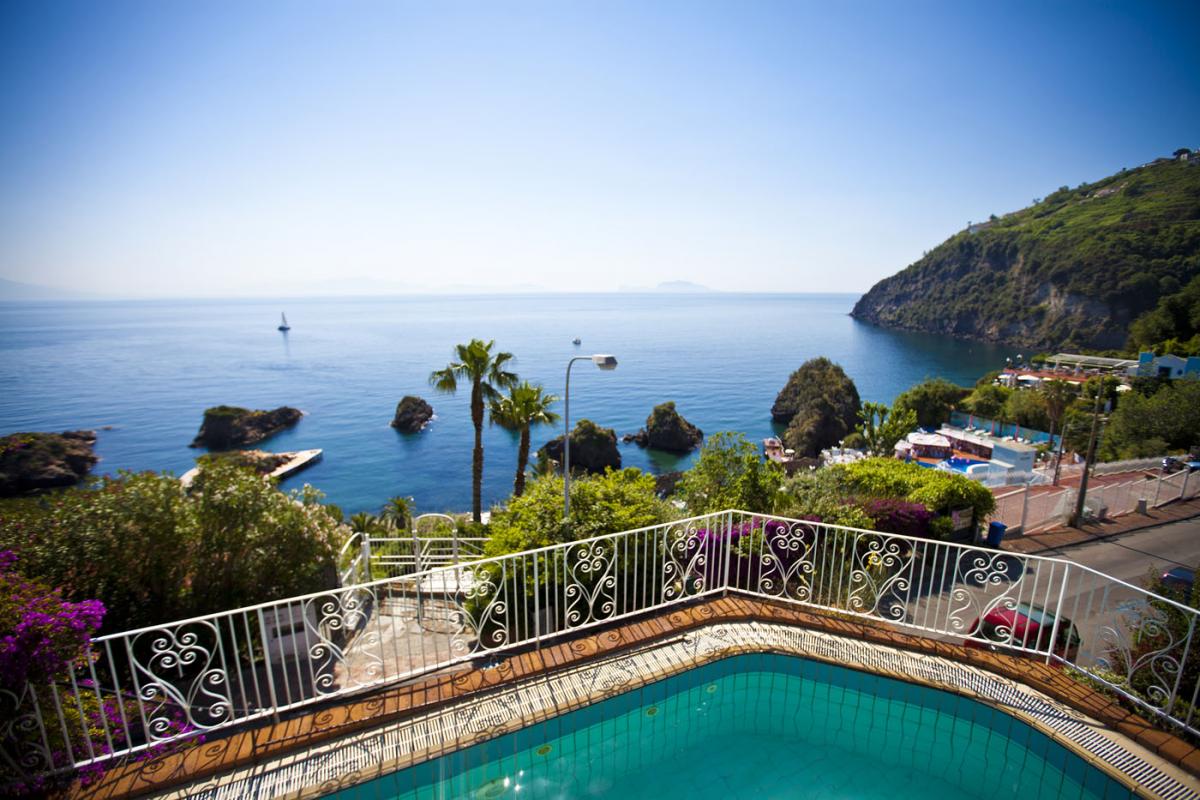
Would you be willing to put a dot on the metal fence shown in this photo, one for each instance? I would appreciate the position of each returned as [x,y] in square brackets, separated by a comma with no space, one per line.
[165,684]
[1035,508]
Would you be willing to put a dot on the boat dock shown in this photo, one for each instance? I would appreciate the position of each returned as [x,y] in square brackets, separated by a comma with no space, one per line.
[296,461]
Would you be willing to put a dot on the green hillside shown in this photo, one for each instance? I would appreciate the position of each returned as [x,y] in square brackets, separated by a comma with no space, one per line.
[1071,271]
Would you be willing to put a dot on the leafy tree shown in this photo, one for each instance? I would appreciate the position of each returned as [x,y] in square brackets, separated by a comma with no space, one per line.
[988,400]
[153,552]
[1057,397]
[821,496]
[1027,408]
[730,473]
[933,399]
[1173,325]
[820,404]
[618,500]
[882,428]
[525,406]
[1168,420]
[486,373]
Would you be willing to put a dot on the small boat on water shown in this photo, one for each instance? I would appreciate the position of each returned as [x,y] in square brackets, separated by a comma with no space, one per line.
[283,326]
[577,341]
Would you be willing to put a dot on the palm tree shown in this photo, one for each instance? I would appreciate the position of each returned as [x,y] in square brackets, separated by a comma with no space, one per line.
[397,513]
[487,375]
[524,407]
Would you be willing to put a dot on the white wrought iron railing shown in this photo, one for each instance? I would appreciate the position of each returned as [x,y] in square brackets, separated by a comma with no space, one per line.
[165,684]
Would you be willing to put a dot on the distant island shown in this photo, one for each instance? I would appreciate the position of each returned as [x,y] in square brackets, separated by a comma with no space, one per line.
[1073,270]
[670,287]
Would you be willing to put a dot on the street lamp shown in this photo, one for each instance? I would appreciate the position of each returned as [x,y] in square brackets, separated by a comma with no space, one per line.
[605,362]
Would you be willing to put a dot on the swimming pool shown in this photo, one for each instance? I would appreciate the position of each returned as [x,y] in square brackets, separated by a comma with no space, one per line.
[762,726]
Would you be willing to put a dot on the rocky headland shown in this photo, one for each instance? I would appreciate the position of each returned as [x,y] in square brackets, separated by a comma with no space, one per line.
[1076,269]
[412,414]
[31,462]
[667,430]
[225,427]
[593,449]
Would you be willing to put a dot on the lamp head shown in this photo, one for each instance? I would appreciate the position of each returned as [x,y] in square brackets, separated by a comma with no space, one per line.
[605,362]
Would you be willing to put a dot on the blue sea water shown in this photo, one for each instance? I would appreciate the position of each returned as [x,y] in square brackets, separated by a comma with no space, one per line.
[143,372]
[761,726]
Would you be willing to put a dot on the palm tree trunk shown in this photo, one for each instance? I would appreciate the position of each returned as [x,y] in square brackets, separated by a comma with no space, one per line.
[477,459]
[522,462]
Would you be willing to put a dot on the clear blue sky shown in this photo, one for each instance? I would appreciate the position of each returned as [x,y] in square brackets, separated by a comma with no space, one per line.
[206,147]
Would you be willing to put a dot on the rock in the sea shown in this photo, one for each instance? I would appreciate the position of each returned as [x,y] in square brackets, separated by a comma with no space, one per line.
[667,430]
[228,426]
[666,483]
[593,449]
[31,462]
[411,414]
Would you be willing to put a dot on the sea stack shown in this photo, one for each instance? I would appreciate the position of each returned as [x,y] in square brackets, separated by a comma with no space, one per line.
[225,427]
[412,414]
[31,462]
[667,430]
[593,449]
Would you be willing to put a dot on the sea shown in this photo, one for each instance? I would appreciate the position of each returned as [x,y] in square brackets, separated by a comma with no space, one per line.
[141,373]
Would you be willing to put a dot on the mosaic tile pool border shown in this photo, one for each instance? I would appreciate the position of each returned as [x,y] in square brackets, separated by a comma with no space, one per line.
[336,764]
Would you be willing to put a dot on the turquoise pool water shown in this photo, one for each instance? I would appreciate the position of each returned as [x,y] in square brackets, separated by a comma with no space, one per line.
[762,726]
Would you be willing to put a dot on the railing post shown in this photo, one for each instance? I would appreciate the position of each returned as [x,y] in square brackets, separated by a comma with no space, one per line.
[537,606]
[416,546]
[1157,489]
[1024,508]
[728,539]
[366,556]
[1183,489]
[1062,591]
[262,631]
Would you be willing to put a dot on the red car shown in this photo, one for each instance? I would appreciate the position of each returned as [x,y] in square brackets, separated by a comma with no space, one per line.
[1026,626]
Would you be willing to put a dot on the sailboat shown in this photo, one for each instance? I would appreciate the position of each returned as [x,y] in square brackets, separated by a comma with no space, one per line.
[283,326]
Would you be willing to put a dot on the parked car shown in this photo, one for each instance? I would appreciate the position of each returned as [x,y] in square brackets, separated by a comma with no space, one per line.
[1174,464]
[1180,579]
[1026,626]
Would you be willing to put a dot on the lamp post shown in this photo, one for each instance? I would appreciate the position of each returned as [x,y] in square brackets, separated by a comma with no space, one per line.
[604,362]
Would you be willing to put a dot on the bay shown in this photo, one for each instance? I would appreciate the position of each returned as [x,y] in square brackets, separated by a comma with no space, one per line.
[142,373]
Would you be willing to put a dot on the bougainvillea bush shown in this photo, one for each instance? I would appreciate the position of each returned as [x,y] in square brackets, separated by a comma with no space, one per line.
[41,635]
[899,516]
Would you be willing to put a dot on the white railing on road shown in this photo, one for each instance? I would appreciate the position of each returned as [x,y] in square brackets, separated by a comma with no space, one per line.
[1034,508]
[165,684]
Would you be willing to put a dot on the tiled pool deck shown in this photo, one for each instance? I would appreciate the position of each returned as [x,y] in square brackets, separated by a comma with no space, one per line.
[338,746]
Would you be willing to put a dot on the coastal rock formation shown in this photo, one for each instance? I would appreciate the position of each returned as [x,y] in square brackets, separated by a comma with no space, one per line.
[32,462]
[666,483]
[225,427]
[820,405]
[593,449]
[1074,270]
[667,430]
[412,413]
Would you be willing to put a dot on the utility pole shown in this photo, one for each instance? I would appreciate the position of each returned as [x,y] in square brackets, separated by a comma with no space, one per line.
[1091,455]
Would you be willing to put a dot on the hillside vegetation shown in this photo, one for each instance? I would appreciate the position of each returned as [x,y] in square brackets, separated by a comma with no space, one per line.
[1074,270]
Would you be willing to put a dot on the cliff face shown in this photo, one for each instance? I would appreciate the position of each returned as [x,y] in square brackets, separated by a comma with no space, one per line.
[1073,270]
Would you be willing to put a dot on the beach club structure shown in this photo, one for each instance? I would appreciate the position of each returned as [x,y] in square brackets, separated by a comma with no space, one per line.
[976,453]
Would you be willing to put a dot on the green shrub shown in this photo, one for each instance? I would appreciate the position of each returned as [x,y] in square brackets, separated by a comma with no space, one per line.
[730,473]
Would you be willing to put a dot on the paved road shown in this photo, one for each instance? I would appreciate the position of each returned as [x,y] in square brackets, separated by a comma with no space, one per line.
[1131,556]
[1101,609]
